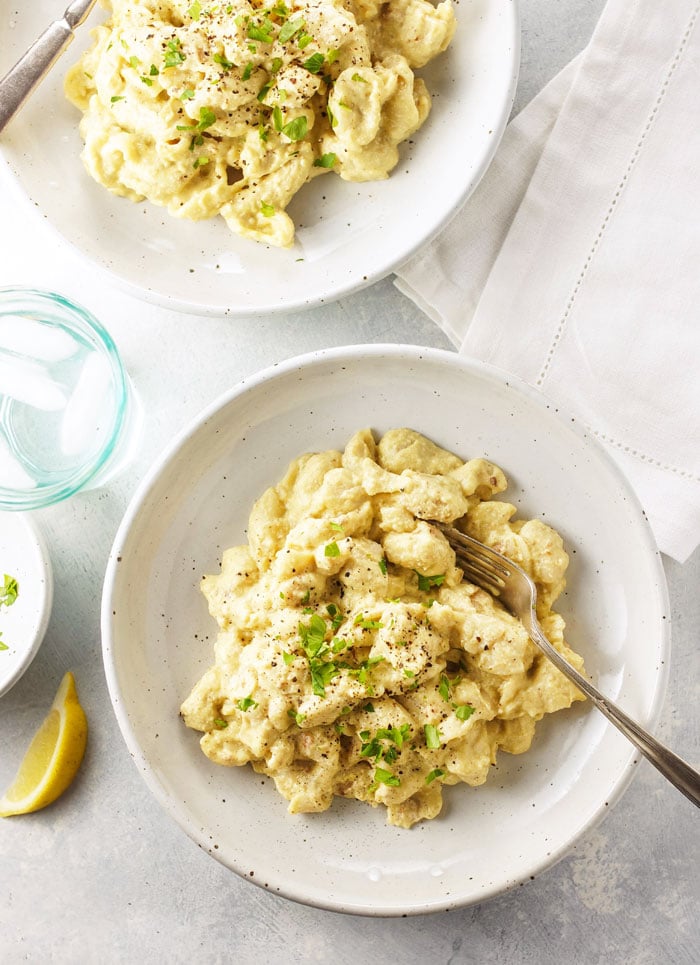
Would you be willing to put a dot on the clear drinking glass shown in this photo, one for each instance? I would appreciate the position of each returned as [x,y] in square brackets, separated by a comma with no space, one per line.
[67,408]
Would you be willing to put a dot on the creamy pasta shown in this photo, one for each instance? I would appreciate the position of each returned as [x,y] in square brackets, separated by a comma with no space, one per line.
[230,108]
[352,659]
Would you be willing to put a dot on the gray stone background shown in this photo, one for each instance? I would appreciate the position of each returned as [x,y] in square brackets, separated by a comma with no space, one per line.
[105,876]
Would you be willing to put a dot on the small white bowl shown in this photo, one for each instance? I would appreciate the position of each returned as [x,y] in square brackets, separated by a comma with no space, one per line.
[23,555]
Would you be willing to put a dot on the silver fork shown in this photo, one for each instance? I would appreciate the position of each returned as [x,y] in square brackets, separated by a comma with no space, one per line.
[510,584]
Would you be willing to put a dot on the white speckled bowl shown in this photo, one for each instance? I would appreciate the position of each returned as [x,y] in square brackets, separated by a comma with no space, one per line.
[349,235]
[23,556]
[157,634]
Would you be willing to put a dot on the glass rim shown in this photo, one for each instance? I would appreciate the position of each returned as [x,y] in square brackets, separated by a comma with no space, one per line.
[25,298]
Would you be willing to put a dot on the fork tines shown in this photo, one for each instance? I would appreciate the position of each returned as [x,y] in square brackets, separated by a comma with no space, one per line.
[480,563]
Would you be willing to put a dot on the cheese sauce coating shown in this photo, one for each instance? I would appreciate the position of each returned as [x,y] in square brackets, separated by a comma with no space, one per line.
[230,108]
[351,658]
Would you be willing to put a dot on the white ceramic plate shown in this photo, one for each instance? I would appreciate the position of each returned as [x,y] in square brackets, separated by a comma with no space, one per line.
[158,636]
[23,556]
[350,234]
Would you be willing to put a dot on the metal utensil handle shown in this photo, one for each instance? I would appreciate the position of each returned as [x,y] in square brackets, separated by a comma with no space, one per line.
[21,79]
[674,768]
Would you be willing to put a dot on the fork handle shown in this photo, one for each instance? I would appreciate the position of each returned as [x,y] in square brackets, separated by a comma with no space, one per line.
[674,768]
[21,79]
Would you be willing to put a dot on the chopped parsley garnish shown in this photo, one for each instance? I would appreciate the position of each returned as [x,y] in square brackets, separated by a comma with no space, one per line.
[432,736]
[335,615]
[366,624]
[277,119]
[200,162]
[426,583]
[433,775]
[303,41]
[246,703]
[296,717]
[360,78]
[247,70]
[385,744]
[314,63]
[313,639]
[322,672]
[134,62]
[382,563]
[290,28]
[313,634]
[295,130]
[332,549]
[117,97]
[385,777]
[264,91]
[321,653]
[261,31]
[275,65]
[267,209]
[222,61]
[280,10]
[325,161]
[9,591]
[207,117]
[362,672]
[174,55]
[195,10]
[464,711]
[220,723]
[187,95]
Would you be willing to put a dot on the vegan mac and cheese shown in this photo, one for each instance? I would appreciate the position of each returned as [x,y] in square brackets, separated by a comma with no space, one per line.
[351,657]
[230,108]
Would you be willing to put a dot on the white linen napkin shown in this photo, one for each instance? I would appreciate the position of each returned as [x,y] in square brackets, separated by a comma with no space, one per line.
[576,263]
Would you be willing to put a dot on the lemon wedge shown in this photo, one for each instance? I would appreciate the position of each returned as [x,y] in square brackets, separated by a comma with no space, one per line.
[53,757]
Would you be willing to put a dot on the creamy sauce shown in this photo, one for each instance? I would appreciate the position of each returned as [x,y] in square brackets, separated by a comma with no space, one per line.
[352,659]
[231,108]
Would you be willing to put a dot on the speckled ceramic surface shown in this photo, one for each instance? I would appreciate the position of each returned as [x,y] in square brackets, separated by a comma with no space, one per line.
[23,556]
[157,635]
[348,234]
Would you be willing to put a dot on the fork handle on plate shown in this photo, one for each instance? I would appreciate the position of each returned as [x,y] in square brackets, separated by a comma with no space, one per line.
[21,79]
[674,768]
